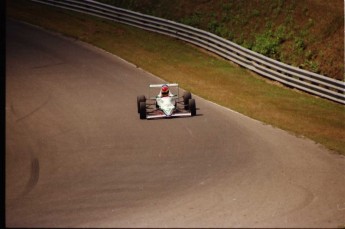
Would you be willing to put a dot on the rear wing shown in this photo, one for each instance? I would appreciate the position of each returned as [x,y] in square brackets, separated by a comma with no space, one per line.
[160,85]
[174,88]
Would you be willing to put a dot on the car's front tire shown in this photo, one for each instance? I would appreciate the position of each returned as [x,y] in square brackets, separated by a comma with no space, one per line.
[186,97]
[142,110]
[192,107]
[140,98]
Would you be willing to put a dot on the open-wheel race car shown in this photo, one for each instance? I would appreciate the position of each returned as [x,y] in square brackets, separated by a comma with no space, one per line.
[164,101]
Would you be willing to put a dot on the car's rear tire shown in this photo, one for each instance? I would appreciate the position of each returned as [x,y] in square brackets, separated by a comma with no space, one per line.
[142,110]
[192,107]
[186,97]
[140,98]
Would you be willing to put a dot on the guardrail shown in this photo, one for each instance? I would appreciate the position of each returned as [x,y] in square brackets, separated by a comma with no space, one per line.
[312,83]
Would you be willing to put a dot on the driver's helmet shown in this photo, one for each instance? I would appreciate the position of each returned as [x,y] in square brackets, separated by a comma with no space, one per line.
[165,90]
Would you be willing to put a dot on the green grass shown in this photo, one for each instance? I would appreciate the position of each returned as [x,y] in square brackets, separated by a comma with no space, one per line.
[203,74]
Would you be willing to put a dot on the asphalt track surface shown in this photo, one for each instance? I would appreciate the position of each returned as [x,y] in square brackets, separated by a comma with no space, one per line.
[77,154]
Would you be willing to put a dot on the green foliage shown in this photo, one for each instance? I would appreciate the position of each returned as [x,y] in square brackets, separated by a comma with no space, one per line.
[193,20]
[247,44]
[239,40]
[291,6]
[277,8]
[310,23]
[289,20]
[230,18]
[268,42]
[219,29]
[280,33]
[299,44]
[306,11]
[227,6]
[213,25]
[255,13]
[313,66]
[223,31]
[225,17]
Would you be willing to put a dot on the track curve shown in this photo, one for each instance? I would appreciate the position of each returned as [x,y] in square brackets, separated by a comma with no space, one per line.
[77,154]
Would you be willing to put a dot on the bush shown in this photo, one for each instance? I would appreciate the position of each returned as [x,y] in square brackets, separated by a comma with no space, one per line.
[213,26]
[193,20]
[299,44]
[268,42]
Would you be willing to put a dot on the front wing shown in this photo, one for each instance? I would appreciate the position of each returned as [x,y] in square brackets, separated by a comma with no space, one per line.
[186,114]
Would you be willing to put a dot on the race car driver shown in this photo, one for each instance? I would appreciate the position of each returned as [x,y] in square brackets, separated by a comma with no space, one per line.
[164,92]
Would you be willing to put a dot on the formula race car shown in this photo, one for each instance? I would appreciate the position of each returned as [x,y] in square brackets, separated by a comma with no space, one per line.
[166,106]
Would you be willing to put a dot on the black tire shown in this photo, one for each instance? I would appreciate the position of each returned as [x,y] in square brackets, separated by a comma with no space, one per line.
[192,107]
[142,110]
[140,98]
[186,97]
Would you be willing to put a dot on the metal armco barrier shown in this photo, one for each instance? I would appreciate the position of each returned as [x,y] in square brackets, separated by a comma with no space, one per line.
[288,75]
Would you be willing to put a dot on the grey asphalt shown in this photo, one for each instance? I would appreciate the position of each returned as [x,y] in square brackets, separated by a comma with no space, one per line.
[77,154]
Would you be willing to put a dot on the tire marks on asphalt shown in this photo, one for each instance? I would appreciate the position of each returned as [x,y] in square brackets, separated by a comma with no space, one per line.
[33,111]
[34,176]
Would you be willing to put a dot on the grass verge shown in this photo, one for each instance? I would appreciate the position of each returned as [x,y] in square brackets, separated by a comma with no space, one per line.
[210,77]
